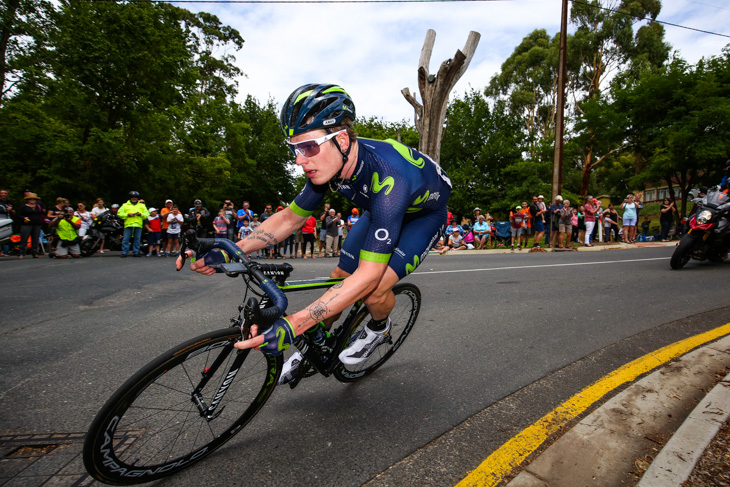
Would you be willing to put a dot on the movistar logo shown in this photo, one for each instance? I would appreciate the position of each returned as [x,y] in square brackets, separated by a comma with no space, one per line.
[410,268]
[377,184]
[421,199]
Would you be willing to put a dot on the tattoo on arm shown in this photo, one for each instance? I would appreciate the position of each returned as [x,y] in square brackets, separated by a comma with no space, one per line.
[265,237]
[319,309]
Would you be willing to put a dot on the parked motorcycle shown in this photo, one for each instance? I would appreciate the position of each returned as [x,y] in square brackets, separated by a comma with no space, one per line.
[708,237]
[106,227]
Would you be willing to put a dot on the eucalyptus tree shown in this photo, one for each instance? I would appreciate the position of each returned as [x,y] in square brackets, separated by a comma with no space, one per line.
[612,42]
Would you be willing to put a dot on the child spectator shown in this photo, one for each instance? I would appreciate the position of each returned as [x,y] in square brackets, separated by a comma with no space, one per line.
[245,229]
[220,224]
[174,227]
[517,219]
[154,232]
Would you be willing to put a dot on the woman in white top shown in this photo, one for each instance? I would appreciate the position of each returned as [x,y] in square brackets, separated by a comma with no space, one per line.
[86,219]
[97,210]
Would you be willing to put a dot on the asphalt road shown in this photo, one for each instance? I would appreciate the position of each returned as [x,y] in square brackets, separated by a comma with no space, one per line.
[501,339]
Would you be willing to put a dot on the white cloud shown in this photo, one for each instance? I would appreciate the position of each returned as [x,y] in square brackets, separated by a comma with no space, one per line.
[372,50]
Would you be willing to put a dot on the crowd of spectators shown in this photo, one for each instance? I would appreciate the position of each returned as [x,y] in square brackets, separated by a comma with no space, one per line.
[559,225]
[152,232]
[156,232]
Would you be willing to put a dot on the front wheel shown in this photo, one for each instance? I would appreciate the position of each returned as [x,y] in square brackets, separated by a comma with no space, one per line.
[683,253]
[179,408]
[402,319]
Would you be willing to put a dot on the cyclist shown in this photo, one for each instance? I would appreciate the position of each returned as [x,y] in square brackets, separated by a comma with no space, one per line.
[403,194]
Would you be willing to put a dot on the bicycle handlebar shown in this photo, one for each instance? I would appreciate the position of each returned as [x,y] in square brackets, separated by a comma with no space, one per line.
[202,246]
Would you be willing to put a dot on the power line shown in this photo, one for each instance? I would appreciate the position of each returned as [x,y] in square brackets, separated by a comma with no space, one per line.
[651,20]
[425,1]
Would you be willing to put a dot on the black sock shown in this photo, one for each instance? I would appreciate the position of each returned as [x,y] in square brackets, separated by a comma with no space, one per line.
[378,325]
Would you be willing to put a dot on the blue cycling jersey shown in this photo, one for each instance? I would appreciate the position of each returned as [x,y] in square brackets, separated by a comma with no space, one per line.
[394,183]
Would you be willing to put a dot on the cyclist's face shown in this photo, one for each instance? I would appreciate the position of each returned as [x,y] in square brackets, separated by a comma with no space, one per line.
[324,166]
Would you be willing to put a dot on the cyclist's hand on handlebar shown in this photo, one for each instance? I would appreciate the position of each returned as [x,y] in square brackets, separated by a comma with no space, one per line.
[254,342]
[197,265]
[272,341]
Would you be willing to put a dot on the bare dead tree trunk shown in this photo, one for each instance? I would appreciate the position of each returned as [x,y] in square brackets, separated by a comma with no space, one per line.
[435,89]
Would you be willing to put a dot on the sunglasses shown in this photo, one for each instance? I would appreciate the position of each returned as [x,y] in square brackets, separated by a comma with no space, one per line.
[310,148]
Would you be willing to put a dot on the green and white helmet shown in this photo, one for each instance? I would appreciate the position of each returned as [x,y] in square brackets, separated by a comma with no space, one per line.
[315,106]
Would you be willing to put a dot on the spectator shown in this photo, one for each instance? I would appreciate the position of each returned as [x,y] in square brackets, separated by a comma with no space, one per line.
[244,212]
[254,225]
[133,212]
[331,223]
[31,219]
[477,213]
[576,226]
[6,206]
[231,216]
[67,231]
[198,218]
[666,218]
[220,224]
[298,243]
[517,220]
[85,217]
[308,235]
[528,221]
[581,223]
[323,229]
[545,220]
[6,210]
[266,214]
[554,211]
[456,241]
[598,229]
[645,226]
[438,246]
[98,210]
[352,219]
[245,229]
[565,225]
[610,222]
[154,231]
[482,233]
[538,219]
[340,232]
[174,227]
[163,218]
[53,213]
[453,226]
[630,219]
[590,219]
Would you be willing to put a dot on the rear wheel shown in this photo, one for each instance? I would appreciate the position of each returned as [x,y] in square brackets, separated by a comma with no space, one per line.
[683,253]
[402,319]
[170,414]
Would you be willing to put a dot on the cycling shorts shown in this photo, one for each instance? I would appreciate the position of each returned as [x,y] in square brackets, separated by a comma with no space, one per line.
[418,235]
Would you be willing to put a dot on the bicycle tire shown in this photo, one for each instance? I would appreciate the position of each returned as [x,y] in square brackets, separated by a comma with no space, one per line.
[403,317]
[151,428]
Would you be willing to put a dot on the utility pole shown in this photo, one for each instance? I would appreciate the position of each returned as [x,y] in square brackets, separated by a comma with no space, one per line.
[559,123]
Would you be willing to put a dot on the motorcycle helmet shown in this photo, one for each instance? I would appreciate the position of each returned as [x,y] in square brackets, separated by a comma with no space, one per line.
[115,206]
[314,106]
[133,194]
[355,211]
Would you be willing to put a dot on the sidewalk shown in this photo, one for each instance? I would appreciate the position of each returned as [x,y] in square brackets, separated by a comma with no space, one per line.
[597,247]
[653,423]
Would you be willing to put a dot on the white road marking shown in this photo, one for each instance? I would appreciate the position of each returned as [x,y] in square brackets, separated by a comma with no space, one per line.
[538,266]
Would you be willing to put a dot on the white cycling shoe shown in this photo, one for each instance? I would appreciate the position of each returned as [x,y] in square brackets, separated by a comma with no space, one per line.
[290,368]
[360,349]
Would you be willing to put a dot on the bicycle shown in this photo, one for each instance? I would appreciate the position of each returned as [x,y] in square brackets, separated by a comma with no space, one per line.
[189,401]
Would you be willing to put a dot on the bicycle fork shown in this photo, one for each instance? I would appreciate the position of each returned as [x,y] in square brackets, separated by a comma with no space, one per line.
[208,411]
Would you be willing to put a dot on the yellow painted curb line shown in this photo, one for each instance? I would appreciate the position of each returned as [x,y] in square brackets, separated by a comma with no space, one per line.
[516,450]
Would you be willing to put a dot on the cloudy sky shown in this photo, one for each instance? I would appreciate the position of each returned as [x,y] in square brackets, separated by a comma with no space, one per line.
[372,50]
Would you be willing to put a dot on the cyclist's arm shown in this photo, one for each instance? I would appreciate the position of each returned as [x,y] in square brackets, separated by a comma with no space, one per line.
[337,298]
